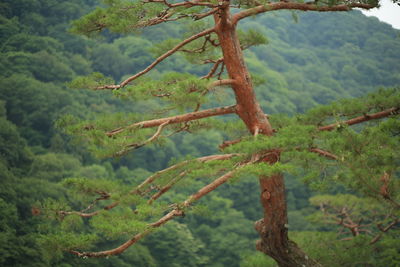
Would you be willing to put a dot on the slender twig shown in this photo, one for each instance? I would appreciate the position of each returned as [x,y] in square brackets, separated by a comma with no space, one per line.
[88,214]
[165,188]
[103,196]
[213,69]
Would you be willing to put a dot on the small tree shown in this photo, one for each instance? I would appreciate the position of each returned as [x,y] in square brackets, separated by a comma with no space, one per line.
[318,141]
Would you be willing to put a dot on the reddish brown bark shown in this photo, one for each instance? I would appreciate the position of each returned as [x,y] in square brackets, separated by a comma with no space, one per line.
[366,117]
[273,227]
[177,119]
[247,107]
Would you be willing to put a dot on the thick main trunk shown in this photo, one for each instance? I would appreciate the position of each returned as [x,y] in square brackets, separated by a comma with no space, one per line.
[273,227]
[247,107]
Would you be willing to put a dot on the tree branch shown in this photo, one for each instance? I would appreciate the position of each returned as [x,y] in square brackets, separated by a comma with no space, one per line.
[177,119]
[213,69]
[157,61]
[296,6]
[205,14]
[324,153]
[384,230]
[314,149]
[178,211]
[149,180]
[152,178]
[151,139]
[366,117]
[90,214]
[185,3]
[167,187]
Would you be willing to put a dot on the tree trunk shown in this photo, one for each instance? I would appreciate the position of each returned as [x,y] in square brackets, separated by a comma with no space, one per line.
[273,227]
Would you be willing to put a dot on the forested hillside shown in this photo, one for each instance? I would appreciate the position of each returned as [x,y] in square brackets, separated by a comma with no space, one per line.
[308,59]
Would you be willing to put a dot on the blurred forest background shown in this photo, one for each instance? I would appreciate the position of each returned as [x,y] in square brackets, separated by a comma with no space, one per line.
[310,59]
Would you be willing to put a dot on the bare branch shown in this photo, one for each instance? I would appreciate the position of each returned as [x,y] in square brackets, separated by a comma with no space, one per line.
[158,60]
[366,117]
[177,119]
[296,6]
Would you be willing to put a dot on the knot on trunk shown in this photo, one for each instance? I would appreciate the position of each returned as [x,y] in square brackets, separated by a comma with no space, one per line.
[262,231]
[260,227]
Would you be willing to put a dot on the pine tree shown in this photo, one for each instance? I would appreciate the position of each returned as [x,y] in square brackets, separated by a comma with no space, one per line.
[320,141]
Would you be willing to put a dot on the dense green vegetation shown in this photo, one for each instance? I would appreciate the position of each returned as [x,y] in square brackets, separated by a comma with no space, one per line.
[320,58]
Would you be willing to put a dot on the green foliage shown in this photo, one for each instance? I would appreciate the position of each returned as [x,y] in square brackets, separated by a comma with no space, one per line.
[118,16]
[257,259]
[117,224]
[376,101]
[328,250]
[54,167]
[251,38]
[304,64]
[179,90]
[90,186]
[55,244]
[175,245]
[93,81]
[13,148]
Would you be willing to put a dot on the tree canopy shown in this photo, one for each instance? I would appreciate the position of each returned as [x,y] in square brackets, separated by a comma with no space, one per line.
[345,148]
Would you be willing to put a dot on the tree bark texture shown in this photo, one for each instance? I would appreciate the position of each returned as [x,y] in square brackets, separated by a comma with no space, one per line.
[273,227]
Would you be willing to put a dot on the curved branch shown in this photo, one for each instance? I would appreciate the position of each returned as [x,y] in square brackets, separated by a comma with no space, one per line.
[158,60]
[366,117]
[177,119]
[296,6]
[151,139]
[174,213]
